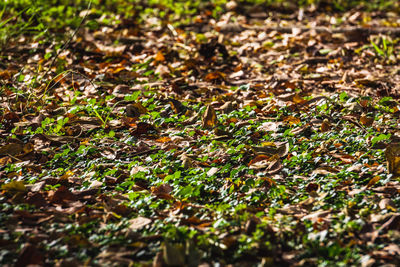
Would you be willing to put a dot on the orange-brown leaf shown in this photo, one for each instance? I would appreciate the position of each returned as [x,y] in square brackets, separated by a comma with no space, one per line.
[209,117]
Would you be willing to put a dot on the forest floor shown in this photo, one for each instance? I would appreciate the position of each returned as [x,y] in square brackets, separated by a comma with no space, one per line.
[243,135]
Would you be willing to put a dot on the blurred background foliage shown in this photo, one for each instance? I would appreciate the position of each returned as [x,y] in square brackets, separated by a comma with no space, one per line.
[47,19]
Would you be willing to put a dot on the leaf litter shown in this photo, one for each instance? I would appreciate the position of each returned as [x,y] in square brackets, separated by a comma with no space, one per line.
[238,136]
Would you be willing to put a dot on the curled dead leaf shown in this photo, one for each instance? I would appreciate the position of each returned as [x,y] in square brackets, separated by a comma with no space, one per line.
[274,167]
[282,149]
[298,99]
[387,204]
[177,106]
[30,255]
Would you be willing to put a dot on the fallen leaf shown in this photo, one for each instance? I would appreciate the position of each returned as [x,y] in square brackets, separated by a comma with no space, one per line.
[12,149]
[174,254]
[143,128]
[258,158]
[392,154]
[209,117]
[270,126]
[14,186]
[212,171]
[163,139]
[316,216]
[387,204]
[159,57]
[135,110]
[274,167]
[325,126]
[373,181]
[61,195]
[162,191]
[366,121]
[291,120]
[298,99]
[213,76]
[30,255]
[138,223]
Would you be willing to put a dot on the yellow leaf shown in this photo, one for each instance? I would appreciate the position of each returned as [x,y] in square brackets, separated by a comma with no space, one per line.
[268,144]
[14,186]
[291,120]
[209,117]
[66,175]
[298,99]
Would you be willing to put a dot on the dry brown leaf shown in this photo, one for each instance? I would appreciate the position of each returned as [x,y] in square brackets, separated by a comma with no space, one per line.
[174,254]
[213,76]
[258,158]
[14,186]
[138,223]
[388,204]
[274,167]
[321,215]
[162,191]
[366,121]
[325,126]
[269,126]
[282,149]
[392,154]
[30,255]
[12,149]
[373,181]
[135,110]
[143,128]
[291,120]
[209,117]
[163,139]
[298,99]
